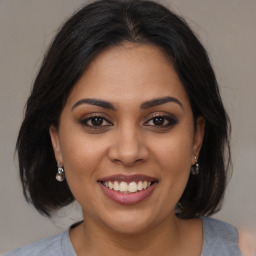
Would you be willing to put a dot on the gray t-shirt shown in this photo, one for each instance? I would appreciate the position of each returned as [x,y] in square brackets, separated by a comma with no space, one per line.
[219,239]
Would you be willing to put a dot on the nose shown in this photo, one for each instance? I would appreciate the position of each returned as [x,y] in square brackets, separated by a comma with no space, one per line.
[128,148]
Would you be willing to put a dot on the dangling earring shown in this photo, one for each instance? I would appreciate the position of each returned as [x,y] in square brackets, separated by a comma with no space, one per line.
[60,176]
[195,168]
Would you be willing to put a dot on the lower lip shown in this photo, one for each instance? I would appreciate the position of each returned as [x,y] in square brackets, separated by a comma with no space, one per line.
[128,198]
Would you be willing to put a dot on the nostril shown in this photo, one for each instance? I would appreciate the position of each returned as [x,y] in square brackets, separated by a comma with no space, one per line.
[128,154]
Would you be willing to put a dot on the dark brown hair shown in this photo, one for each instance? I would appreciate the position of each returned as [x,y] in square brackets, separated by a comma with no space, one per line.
[87,33]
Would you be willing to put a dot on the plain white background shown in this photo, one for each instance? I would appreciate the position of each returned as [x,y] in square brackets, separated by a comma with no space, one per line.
[227,29]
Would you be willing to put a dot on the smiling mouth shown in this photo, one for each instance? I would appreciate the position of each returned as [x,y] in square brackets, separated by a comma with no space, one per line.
[127,187]
[128,183]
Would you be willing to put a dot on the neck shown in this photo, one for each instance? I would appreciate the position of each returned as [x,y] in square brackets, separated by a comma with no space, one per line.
[92,238]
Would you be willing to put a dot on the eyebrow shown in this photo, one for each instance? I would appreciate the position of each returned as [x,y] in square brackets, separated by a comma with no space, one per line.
[160,101]
[145,105]
[96,102]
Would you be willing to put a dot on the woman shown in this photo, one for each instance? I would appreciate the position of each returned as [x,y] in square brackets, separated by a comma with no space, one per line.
[127,106]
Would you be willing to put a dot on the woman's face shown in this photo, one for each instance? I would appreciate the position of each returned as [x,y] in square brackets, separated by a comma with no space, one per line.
[126,139]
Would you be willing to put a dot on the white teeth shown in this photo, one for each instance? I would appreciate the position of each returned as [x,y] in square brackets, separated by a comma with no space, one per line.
[140,186]
[110,185]
[133,187]
[125,187]
[116,186]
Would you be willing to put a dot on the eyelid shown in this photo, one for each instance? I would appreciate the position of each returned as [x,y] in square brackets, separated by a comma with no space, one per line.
[85,118]
[95,114]
[170,117]
[161,114]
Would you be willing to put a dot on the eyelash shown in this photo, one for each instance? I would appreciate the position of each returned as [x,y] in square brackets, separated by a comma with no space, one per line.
[169,121]
[92,118]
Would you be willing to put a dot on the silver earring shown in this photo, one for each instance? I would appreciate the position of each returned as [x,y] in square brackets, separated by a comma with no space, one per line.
[60,176]
[195,168]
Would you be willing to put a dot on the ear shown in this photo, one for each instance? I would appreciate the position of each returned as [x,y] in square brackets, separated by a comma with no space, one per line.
[56,144]
[198,137]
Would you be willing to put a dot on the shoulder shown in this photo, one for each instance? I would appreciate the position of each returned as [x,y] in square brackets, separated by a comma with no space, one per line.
[58,245]
[219,238]
[219,228]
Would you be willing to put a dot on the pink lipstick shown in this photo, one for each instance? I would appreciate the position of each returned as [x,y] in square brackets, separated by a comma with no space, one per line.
[128,189]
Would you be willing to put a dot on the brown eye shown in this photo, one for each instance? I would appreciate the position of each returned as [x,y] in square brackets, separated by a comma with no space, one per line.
[161,121]
[158,120]
[95,122]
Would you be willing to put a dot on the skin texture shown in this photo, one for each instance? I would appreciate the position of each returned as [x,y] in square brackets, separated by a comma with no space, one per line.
[247,243]
[130,140]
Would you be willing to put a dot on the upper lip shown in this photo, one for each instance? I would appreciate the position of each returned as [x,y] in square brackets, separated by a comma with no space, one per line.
[128,178]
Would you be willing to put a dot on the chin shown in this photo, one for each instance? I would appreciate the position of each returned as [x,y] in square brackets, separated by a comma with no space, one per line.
[130,227]
[132,222]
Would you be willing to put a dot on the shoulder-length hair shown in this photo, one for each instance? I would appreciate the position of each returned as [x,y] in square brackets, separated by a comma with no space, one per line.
[87,33]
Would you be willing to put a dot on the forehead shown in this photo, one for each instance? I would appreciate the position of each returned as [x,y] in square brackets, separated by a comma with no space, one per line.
[129,73]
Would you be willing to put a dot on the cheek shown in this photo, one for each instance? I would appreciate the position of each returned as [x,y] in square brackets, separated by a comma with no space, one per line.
[176,150]
[81,153]
[173,155]
[82,156]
